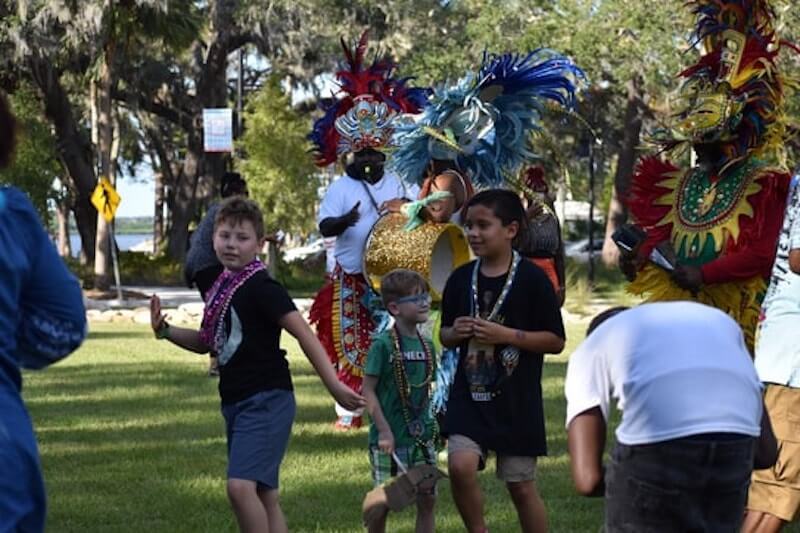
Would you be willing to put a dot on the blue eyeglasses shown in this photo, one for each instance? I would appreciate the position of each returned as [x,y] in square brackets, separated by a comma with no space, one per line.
[419,299]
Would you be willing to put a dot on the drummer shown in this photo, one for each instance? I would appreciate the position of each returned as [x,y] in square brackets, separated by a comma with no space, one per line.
[355,130]
[349,209]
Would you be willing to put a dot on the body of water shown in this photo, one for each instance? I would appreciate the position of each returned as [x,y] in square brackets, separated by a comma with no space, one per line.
[124,241]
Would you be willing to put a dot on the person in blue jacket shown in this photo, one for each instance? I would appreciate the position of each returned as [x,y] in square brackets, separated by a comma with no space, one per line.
[42,320]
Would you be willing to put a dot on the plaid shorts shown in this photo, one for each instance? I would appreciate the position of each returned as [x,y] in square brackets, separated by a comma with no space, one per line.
[385,468]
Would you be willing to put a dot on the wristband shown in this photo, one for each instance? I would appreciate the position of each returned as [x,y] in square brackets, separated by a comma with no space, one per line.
[163,331]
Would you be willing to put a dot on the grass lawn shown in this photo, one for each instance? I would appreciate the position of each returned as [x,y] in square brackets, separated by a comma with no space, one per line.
[132,440]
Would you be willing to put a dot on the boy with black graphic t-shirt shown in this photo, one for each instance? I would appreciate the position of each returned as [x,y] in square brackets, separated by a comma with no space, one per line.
[495,402]
[499,405]
[245,312]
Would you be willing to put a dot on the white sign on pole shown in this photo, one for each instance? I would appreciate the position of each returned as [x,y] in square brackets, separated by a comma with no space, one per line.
[218,130]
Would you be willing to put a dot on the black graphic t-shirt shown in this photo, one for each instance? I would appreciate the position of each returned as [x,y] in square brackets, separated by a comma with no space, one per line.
[252,360]
[496,398]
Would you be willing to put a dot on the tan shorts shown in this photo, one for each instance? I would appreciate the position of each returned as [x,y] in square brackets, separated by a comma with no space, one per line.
[776,490]
[510,468]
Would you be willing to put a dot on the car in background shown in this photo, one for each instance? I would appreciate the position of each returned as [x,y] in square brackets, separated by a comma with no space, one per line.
[314,247]
[579,250]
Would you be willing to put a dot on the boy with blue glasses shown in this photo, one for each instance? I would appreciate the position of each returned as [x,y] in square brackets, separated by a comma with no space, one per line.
[397,386]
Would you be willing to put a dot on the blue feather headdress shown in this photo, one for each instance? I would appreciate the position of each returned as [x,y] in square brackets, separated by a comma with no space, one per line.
[483,122]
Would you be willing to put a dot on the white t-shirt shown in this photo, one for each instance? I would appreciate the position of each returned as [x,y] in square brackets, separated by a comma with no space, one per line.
[778,342]
[340,198]
[675,368]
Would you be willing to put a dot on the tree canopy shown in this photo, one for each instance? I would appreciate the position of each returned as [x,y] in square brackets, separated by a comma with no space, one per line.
[276,164]
[83,75]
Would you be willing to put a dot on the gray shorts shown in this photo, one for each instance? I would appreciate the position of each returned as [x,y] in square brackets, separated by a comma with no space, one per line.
[258,430]
[510,468]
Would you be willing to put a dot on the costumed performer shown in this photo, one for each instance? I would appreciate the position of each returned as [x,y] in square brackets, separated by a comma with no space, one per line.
[356,128]
[544,245]
[719,219]
[480,127]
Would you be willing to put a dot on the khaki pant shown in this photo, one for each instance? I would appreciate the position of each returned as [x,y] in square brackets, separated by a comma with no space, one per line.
[776,490]
[510,468]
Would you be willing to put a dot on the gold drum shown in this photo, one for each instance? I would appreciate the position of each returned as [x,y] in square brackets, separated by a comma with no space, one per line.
[433,250]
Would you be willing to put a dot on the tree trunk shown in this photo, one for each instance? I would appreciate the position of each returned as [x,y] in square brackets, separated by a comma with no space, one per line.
[163,176]
[201,170]
[73,149]
[183,203]
[62,227]
[272,258]
[158,216]
[626,162]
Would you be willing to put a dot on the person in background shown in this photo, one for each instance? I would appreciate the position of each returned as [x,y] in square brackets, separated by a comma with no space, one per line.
[544,245]
[691,418]
[42,320]
[774,497]
[202,266]
[718,219]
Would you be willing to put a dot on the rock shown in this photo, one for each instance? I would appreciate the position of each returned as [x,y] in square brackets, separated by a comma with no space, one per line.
[121,315]
[141,315]
[176,316]
[95,304]
[194,309]
[106,316]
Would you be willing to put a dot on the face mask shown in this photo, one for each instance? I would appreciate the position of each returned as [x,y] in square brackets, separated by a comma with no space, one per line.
[367,167]
[369,172]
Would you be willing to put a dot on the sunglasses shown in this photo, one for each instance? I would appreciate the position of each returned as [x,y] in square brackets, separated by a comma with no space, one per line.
[419,299]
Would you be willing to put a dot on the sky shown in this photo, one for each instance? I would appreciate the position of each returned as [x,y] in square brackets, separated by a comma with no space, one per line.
[137,193]
[137,198]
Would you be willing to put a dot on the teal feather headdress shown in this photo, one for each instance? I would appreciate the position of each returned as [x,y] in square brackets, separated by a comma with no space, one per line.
[483,122]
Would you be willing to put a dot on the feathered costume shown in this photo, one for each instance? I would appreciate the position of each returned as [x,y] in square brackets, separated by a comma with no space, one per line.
[483,123]
[346,311]
[482,126]
[366,84]
[724,220]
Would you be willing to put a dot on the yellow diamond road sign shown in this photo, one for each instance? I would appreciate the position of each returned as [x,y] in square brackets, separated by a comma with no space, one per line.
[105,199]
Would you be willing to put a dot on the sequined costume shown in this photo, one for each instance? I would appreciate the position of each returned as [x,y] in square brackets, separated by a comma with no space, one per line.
[722,216]
[362,118]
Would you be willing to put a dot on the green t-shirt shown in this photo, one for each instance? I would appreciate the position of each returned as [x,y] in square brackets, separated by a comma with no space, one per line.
[380,363]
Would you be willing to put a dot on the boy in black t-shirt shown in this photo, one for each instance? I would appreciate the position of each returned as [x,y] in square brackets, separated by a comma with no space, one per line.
[502,314]
[242,322]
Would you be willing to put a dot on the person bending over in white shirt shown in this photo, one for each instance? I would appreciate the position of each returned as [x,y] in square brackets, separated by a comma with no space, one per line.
[691,417]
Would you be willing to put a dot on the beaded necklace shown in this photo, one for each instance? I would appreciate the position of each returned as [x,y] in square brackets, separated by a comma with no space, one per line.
[219,300]
[413,413]
[509,356]
[512,271]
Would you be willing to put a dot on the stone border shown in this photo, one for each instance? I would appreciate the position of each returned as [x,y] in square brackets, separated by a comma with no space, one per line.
[184,314]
